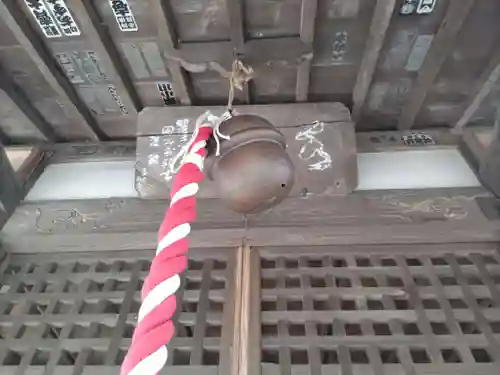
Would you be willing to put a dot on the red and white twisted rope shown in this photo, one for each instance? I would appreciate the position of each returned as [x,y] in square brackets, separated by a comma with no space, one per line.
[148,352]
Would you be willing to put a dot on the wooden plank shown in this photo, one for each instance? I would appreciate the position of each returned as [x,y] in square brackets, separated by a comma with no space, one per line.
[320,140]
[442,45]
[246,333]
[486,82]
[90,152]
[31,169]
[241,326]
[378,29]
[256,51]
[152,120]
[97,36]
[389,141]
[434,221]
[117,215]
[4,138]
[19,98]
[10,189]
[472,149]
[237,31]
[33,45]
[489,168]
[324,157]
[254,309]
[163,19]
[237,34]
[336,236]
[307,22]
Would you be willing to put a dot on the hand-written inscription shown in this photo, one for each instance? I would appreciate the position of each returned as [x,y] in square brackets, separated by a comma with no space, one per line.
[172,145]
[313,150]
[339,46]
[417,139]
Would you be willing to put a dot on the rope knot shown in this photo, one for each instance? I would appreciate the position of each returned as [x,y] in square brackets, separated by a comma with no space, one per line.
[207,119]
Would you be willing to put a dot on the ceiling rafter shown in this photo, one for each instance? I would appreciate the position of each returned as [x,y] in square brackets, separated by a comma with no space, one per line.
[32,44]
[22,102]
[441,47]
[237,32]
[376,37]
[489,77]
[100,41]
[163,17]
[307,21]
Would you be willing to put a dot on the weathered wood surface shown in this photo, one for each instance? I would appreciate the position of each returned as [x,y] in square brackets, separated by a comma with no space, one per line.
[32,44]
[91,152]
[383,217]
[307,22]
[442,46]
[485,84]
[363,53]
[152,120]
[472,149]
[489,168]
[97,37]
[11,192]
[167,40]
[21,101]
[375,40]
[426,139]
[320,139]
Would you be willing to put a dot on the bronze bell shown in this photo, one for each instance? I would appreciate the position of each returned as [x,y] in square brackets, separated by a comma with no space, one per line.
[253,171]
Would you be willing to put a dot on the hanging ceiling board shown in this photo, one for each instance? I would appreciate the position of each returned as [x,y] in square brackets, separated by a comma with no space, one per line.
[320,139]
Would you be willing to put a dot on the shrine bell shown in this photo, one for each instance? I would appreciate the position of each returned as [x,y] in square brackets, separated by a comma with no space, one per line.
[253,171]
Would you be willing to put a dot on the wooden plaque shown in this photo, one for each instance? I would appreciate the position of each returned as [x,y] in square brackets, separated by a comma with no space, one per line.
[320,140]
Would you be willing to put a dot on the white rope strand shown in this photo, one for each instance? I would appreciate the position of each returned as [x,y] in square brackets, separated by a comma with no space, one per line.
[205,120]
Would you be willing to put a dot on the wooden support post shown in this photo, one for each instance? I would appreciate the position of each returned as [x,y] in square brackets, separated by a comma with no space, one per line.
[441,47]
[34,116]
[100,41]
[237,33]
[374,42]
[246,338]
[163,18]
[33,45]
[4,138]
[486,83]
[307,20]
[489,169]
[10,189]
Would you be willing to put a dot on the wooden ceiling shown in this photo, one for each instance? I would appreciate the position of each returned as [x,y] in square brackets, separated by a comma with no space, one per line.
[393,71]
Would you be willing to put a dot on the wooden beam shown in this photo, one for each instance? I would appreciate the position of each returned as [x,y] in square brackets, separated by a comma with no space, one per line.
[34,46]
[489,169]
[374,42]
[307,21]
[10,189]
[4,138]
[485,84]
[360,218]
[430,232]
[237,33]
[163,17]
[246,333]
[19,98]
[441,47]
[472,150]
[91,152]
[100,41]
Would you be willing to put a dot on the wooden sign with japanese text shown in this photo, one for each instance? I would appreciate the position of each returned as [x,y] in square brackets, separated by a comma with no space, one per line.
[320,141]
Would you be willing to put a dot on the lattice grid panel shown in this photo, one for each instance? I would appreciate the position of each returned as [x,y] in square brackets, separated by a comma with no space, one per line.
[75,314]
[390,313]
